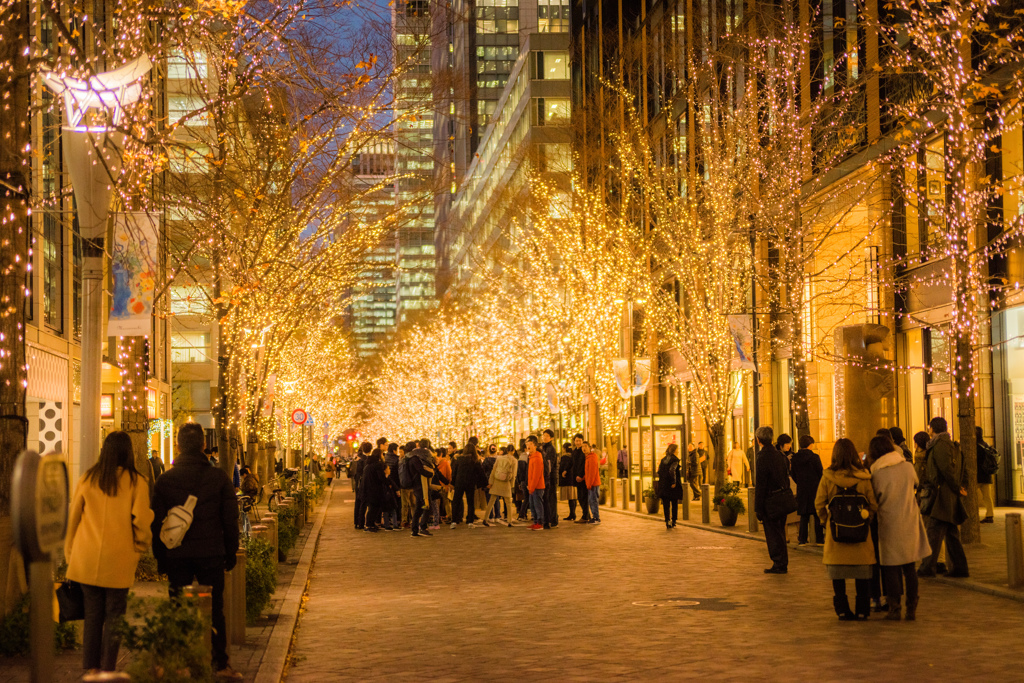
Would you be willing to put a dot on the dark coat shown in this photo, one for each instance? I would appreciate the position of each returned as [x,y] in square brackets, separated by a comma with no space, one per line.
[488,465]
[670,480]
[391,460]
[692,469]
[467,472]
[982,477]
[944,470]
[566,473]
[214,529]
[772,475]
[806,469]
[550,463]
[374,481]
[579,465]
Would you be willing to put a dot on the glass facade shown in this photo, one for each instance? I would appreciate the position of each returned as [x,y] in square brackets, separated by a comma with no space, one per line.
[1008,362]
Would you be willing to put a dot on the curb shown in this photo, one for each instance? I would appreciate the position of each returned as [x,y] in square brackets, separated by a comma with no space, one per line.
[276,656]
[975,586]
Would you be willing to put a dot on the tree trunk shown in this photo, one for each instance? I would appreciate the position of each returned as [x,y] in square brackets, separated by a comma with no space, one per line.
[134,399]
[716,436]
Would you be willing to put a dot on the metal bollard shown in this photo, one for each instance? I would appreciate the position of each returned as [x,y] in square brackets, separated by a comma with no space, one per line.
[751,517]
[203,595]
[234,601]
[686,502]
[1014,550]
[638,494]
[705,504]
[270,519]
[612,490]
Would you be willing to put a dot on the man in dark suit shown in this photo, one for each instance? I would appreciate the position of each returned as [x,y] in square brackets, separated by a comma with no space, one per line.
[579,467]
[772,475]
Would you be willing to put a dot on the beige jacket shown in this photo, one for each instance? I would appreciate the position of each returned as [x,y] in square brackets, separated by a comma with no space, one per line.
[106,534]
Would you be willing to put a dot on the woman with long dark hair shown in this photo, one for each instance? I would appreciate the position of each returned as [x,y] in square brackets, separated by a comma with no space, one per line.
[670,484]
[108,529]
[846,491]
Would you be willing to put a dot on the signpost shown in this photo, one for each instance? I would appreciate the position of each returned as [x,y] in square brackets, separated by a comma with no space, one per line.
[39,511]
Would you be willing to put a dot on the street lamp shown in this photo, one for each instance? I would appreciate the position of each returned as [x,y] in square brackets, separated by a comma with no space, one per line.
[93,155]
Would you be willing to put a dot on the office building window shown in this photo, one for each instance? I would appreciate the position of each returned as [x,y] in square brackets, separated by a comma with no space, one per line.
[550,111]
[53,272]
[190,347]
[551,65]
[552,16]
[76,281]
[186,66]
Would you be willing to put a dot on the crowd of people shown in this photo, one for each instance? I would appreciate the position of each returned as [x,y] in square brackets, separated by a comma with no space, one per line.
[420,488]
[877,513]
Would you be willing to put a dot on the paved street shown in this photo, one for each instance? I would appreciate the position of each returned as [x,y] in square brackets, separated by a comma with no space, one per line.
[626,600]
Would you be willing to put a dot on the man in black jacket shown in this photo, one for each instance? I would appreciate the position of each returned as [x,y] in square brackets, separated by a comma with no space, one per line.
[547,450]
[579,471]
[466,473]
[357,481]
[210,545]
[417,464]
[772,475]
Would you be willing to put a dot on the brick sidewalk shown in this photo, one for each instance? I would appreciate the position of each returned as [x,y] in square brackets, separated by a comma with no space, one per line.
[246,658]
[625,600]
[987,559]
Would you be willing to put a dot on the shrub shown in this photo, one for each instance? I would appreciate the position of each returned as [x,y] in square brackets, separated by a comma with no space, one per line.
[287,534]
[169,645]
[260,577]
[728,496]
[14,631]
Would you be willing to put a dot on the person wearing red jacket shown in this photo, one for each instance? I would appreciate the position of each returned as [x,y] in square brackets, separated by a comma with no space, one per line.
[535,482]
[592,480]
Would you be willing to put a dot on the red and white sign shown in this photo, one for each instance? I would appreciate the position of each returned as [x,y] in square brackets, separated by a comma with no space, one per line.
[299,416]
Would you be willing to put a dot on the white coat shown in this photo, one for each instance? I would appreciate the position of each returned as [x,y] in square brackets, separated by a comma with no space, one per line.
[901,533]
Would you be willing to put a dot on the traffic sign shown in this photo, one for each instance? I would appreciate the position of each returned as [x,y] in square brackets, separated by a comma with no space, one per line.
[299,416]
[309,420]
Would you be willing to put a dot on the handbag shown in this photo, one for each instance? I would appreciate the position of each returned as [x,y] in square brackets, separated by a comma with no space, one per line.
[926,496]
[70,601]
[780,503]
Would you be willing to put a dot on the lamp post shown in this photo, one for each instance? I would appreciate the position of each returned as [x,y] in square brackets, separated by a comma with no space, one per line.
[93,155]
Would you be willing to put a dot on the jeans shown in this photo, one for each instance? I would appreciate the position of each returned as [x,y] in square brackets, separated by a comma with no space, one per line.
[360,508]
[391,516]
[693,487]
[672,503]
[937,532]
[435,511]
[208,571]
[407,505]
[104,608]
[538,505]
[819,530]
[551,502]
[419,513]
[775,537]
[895,576]
[581,493]
[470,504]
[594,496]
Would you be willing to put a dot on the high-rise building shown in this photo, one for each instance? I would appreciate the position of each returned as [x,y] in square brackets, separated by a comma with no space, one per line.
[414,159]
[372,312]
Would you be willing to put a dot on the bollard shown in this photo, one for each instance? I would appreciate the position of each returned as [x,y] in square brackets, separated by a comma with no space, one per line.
[234,601]
[637,495]
[203,595]
[270,519]
[705,504]
[751,517]
[1014,550]
[624,487]
[686,502]
[260,531]
[612,490]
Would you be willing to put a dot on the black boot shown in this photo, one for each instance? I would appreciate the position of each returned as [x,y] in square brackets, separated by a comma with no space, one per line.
[911,609]
[894,609]
[842,605]
[863,606]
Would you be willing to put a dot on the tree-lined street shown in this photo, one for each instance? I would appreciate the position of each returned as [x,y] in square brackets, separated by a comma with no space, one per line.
[626,600]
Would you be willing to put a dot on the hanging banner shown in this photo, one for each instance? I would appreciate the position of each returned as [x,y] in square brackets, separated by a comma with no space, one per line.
[133,267]
[620,368]
[743,340]
[268,399]
[552,395]
[642,376]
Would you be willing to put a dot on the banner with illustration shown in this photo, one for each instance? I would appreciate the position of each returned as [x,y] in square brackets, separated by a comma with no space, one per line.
[133,269]
[741,327]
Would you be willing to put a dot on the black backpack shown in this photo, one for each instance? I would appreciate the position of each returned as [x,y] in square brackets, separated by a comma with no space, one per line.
[988,463]
[847,516]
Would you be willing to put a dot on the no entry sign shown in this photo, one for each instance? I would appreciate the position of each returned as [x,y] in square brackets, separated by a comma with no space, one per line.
[299,416]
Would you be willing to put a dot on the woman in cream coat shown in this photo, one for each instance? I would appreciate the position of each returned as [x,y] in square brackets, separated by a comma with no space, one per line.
[902,539]
[108,528]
